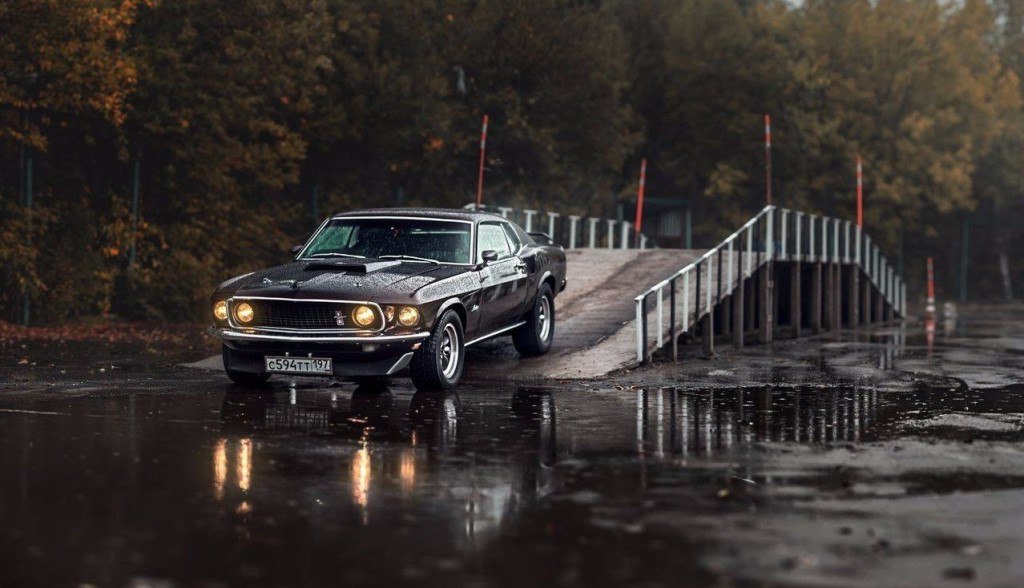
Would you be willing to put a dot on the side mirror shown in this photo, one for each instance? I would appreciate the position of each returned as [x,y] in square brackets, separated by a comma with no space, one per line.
[295,249]
[490,255]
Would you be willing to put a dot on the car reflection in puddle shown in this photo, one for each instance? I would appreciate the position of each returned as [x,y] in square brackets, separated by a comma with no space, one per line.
[484,460]
[399,456]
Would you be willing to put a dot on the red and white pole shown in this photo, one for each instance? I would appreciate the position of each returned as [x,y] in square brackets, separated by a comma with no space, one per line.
[639,218]
[860,193]
[929,309]
[768,158]
[480,176]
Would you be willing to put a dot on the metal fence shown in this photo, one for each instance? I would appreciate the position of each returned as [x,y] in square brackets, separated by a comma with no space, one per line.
[573,231]
[774,234]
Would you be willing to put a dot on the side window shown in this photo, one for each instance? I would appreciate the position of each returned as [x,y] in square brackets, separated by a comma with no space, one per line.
[513,239]
[491,236]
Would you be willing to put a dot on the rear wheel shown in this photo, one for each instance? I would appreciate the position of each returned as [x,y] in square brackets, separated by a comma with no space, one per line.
[534,338]
[438,363]
[241,378]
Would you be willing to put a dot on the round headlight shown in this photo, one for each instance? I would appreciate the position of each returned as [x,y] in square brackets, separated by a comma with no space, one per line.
[244,313]
[363,315]
[408,316]
[220,310]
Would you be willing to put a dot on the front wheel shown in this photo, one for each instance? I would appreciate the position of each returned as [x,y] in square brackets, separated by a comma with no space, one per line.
[438,363]
[534,338]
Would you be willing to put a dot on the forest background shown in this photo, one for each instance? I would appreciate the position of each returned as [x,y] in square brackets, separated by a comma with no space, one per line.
[245,122]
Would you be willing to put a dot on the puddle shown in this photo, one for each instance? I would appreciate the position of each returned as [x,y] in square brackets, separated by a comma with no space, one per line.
[263,486]
[685,422]
[659,422]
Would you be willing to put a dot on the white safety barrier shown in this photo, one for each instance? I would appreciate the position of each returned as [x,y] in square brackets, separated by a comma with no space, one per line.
[775,233]
[568,230]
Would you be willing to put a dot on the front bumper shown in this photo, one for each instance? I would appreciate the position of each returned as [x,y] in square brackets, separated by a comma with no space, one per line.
[352,355]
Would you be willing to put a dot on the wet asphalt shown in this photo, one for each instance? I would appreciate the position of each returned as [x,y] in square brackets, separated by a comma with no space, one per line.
[886,458]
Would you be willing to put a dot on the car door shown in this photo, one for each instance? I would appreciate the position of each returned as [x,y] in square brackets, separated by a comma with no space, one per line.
[502,282]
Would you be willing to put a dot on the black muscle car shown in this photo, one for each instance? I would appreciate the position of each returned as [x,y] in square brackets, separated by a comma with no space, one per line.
[375,291]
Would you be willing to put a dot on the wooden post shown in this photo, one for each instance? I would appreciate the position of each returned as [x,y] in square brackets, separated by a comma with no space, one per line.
[765,303]
[854,298]
[890,307]
[865,301]
[878,305]
[726,319]
[795,302]
[816,296]
[737,311]
[707,333]
[773,277]
[830,298]
[672,319]
[837,300]
[751,299]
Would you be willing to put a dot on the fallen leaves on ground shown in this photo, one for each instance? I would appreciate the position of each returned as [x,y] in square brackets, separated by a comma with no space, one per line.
[106,332]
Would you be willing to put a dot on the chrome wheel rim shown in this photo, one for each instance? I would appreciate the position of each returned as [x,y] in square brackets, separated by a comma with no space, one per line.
[449,351]
[544,318]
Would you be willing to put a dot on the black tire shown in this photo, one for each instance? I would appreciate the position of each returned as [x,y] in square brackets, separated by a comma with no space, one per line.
[242,378]
[430,368]
[534,338]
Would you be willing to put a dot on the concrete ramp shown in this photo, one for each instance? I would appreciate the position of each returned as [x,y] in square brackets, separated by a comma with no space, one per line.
[594,332]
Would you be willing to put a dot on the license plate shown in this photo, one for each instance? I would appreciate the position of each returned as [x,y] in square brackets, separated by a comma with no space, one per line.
[299,365]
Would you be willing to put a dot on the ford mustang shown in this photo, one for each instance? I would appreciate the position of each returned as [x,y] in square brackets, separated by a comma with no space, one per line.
[375,291]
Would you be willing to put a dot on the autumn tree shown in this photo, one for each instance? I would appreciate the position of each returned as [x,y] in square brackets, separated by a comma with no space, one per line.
[251,121]
[225,94]
[998,245]
[411,81]
[62,65]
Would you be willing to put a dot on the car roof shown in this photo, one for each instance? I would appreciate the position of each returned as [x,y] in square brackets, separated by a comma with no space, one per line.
[461,214]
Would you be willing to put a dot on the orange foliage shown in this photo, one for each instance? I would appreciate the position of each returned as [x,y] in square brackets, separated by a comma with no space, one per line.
[63,60]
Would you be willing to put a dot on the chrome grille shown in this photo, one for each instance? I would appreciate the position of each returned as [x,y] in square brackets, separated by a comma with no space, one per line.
[301,315]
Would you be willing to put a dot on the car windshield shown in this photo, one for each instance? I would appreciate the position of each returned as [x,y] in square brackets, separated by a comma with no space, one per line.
[424,240]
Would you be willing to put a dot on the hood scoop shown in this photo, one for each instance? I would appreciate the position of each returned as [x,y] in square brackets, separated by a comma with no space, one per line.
[355,267]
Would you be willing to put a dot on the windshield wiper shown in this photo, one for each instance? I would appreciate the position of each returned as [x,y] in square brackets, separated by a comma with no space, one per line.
[333,254]
[410,258]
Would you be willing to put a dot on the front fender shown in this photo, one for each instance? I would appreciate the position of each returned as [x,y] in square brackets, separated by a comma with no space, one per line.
[453,302]
[547,274]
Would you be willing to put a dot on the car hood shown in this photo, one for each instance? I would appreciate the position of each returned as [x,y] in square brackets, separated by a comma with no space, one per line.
[348,279]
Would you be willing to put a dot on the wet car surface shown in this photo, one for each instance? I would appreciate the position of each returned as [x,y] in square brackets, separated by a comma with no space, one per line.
[144,476]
